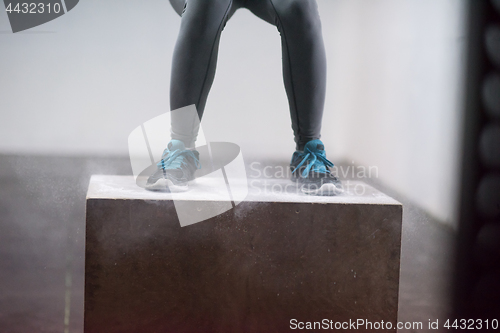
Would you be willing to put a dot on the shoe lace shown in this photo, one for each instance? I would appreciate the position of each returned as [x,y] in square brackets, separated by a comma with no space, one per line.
[315,161]
[177,159]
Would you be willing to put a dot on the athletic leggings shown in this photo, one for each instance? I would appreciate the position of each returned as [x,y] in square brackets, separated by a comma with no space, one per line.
[303,53]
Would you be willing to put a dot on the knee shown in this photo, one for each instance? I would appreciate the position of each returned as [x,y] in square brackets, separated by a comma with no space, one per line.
[203,17]
[301,13]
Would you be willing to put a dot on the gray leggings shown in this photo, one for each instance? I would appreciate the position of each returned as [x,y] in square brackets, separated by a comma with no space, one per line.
[303,52]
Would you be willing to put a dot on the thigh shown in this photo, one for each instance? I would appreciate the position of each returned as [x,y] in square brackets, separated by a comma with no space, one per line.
[206,8]
[211,8]
[273,11]
[262,9]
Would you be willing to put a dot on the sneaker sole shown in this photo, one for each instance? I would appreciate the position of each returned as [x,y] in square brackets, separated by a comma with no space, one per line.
[166,184]
[325,189]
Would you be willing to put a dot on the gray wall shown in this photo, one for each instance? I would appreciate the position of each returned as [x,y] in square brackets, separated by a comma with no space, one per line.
[81,83]
[396,82]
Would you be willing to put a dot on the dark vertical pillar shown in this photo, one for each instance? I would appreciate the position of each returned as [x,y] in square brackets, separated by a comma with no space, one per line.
[477,288]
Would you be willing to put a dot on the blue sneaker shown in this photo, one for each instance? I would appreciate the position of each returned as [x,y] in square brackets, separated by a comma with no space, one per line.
[310,168]
[175,169]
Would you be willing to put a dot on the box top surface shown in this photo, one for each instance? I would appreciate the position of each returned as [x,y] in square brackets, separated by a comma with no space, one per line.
[256,190]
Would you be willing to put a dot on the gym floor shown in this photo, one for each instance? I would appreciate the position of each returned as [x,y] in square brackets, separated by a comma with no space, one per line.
[42,223]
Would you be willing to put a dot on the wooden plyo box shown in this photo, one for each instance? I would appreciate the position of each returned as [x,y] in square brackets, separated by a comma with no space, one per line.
[272,259]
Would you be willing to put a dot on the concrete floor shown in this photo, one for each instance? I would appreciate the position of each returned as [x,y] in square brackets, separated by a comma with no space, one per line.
[42,219]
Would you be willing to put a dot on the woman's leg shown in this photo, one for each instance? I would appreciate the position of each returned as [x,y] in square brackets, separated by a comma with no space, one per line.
[304,61]
[194,62]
